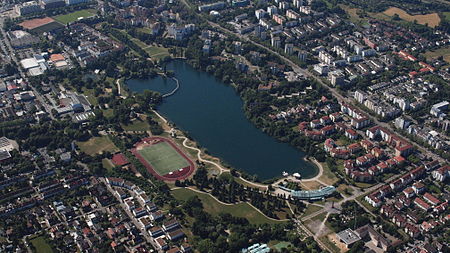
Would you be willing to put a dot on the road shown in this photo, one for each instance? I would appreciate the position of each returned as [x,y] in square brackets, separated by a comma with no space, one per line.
[144,233]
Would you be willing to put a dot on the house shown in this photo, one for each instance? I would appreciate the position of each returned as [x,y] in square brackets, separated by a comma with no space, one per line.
[175,235]
[412,230]
[431,199]
[442,173]
[367,145]
[354,148]
[373,200]
[418,187]
[329,144]
[351,134]
[409,192]
[170,225]
[145,222]
[186,248]
[340,153]
[155,231]
[377,152]
[441,208]
[387,211]
[174,250]
[161,244]
[421,204]
[327,130]
[155,216]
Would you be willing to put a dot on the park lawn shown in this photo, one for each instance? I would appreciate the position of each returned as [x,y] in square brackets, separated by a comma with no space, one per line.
[431,19]
[74,16]
[89,93]
[310,185]
[277,245]
[144,30]
[328,177]
[320,217]
[324,239]
[139,43]
[446,15]
[41,245]
[311,209]
[107,164]
[157,52]
[213,207]
[136,125]
[363,185]
[341,188]
[97,145]
[443,51]
[108,113]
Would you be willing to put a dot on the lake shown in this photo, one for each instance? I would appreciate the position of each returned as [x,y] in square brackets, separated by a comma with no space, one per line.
[212,114]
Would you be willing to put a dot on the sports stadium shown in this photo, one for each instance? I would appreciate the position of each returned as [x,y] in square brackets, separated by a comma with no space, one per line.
[163,159]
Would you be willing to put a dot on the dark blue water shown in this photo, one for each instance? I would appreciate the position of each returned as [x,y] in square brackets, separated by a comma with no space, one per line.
[212,114]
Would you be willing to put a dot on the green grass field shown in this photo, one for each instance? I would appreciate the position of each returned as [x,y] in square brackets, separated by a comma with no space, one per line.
[41,245]
[74,16]
[136,125]
[213,207]
[97,145]
[163,158]
[157,52]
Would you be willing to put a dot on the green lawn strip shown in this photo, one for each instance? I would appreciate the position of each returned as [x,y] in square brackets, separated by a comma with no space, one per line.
[311,209]
[97,145]
[74,16]
[213,207]
[41,245]
[136,125]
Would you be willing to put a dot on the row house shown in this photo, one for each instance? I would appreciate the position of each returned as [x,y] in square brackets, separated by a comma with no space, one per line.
[422,204]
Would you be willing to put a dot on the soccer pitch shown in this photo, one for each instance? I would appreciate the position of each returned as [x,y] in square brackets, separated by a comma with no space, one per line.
[163,158]
[72,17]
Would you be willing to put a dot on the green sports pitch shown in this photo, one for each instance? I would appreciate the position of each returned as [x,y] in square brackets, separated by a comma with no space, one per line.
[163,158]
[74,16]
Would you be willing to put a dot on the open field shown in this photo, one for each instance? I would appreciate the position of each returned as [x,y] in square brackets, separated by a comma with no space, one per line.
[41,245]
[328,176]
[443,51]
[74,16]
[311,209]
[136,125]
[97,145]
[213,207]
[163,158]
[431,19]
[157,52]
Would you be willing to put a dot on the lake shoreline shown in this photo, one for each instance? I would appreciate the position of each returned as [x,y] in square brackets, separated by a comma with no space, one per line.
[265,173]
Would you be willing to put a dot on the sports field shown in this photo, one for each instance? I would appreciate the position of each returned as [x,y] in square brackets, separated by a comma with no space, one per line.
[163,158]
[74,16]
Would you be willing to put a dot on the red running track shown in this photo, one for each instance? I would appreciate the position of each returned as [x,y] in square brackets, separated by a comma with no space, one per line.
[176,175]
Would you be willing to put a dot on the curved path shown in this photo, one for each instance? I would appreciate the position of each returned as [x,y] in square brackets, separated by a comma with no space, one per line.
[174,90]
[229,204]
